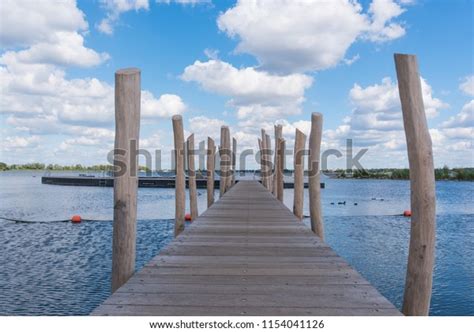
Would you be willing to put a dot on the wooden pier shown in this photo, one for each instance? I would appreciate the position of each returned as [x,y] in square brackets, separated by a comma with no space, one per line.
[248,254]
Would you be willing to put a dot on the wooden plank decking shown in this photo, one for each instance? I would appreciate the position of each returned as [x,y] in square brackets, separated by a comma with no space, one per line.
[247,255]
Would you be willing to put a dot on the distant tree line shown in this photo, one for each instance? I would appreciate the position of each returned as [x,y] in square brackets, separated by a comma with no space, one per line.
[54,167]
[444,173]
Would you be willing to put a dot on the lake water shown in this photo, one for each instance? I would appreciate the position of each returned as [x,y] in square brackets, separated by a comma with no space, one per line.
[64,268]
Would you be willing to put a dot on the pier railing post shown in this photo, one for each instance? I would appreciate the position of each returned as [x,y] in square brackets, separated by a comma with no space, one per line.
[278,135]
[314,174]
[280,169]
[230,171]
[127,128]
[298,174]
[180,182]
[268,146]
[225,160]
[192,178]
[210,166]
[260,149]
[234,158]
[263,159]
[419,277]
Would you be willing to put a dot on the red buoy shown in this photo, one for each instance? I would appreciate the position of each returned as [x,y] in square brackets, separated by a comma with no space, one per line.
[187,217]
[76,219]
[407,213]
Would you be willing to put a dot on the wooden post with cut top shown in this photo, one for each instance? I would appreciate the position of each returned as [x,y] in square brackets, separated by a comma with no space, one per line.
[225,161]
[298,175]
[268,146]
[278,135]
[421,254]
[180,181]
[234,158]
[280,169]
[127,133]
[210,166]
[314,174]
[263,159]
[192,178]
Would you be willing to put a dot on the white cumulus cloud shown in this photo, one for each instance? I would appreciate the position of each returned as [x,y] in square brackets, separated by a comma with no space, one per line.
[467,85]
[290,36]
[26,22]
[255,94]
[115,8]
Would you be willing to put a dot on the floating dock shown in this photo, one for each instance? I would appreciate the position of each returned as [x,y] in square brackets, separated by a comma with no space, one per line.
[143,181]
[247,255]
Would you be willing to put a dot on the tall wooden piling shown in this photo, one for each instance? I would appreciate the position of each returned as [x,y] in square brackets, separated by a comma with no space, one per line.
[263,159]
[229,161]
[210,166]
[419,277]
[268,146]
[298,175]
[127,133]
[192,178]
[234,158]
[260,149]
[180,184]
[278,135]
[280,168]
[225,160]
[314,174]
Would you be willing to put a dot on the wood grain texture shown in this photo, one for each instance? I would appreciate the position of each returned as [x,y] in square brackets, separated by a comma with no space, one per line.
[234,159]
[263,159]
[260,159]
[225,160]
[298,166]
[210,166]
[280,168]
[180,181]
[247,255]
[127,133]
[192,178]
[314,187]
[278,134]
[268,146]
[419,278]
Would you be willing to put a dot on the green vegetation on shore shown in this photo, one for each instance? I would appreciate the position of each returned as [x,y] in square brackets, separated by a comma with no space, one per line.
[56,167]
[445,173]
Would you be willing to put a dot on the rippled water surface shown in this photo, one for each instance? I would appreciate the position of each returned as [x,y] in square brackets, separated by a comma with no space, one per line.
[64,269]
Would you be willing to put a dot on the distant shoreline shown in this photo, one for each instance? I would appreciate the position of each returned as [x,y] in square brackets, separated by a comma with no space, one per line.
[466,175]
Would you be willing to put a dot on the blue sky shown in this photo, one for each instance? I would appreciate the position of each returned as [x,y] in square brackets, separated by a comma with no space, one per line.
[245,64]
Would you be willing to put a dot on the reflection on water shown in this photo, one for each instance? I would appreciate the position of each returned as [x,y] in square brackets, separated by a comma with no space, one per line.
[64,269]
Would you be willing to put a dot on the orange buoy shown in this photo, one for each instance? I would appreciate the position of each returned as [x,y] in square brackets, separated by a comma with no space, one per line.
[76,219]
[187,217]
[407,213]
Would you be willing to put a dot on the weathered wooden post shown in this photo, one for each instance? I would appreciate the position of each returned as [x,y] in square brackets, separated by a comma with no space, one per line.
[192,178]
[234,158]
[225,160]
[127,133]
[278,135]
[419,277]
[180,182]
[229,161]
[298,175]
[260,149]
[314,175]
[210,166]
[268,146]
[279,173]
[263,159]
